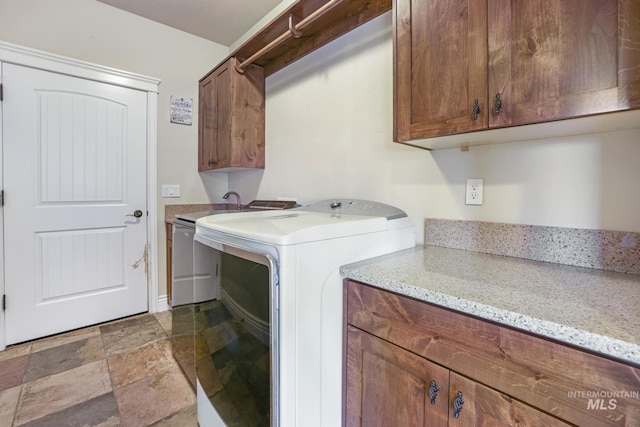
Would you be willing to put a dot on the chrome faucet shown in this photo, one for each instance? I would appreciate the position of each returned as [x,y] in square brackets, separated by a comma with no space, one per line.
[226,196]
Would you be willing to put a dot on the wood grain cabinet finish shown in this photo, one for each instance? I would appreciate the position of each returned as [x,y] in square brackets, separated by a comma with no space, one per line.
[396,346]
[231,118]
[523,61]
[390,386]
[440,67]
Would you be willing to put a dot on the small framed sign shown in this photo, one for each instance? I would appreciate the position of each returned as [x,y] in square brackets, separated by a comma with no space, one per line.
[181,110]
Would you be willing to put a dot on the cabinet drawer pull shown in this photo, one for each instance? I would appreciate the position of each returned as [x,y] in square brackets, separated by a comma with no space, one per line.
[457,405]
[497,105]
[433,392]
[476,109]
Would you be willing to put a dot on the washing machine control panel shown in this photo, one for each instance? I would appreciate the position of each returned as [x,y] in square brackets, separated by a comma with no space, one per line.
[356,207]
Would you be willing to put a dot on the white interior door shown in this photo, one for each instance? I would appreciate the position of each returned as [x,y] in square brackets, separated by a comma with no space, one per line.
[74,153]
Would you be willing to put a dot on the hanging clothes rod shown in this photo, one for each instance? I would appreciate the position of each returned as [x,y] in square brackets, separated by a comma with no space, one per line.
[295,30]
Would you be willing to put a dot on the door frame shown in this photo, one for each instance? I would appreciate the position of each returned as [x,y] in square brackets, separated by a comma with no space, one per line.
[20,55]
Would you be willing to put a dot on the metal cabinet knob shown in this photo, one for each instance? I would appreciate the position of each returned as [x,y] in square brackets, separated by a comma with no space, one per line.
[433,392]
[457,405]
[476,109]
[497,104]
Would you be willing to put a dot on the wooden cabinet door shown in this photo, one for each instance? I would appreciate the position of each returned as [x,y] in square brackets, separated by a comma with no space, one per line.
[525,61]
[215,140]
[232,122]
[440,60]
[557,59]
[222,142]
[486,407]
[206,123]
[389,386]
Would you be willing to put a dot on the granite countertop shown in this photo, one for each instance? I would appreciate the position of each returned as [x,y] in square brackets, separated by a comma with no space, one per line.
[593,309]
[171,211]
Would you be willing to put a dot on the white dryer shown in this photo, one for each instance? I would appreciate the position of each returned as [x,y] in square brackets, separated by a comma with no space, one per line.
[271,348]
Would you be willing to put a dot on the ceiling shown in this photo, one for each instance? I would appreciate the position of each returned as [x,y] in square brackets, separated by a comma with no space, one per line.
[221,21]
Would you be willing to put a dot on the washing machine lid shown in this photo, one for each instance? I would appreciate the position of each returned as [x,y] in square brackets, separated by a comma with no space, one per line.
[320,221]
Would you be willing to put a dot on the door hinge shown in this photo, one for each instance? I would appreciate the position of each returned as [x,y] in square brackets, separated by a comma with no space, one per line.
[1,197]
[1,98]
[4,302]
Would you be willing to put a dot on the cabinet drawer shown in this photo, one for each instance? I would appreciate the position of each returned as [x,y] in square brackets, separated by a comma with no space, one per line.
[571,384]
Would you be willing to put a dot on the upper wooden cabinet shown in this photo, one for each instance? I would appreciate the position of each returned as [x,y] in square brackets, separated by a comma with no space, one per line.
[231,118]
[523,61]
[231,106]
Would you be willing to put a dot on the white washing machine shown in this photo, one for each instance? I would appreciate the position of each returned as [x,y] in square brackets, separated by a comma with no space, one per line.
[271,347]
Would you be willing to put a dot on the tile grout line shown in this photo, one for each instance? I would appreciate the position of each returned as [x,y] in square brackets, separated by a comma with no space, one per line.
[35,367]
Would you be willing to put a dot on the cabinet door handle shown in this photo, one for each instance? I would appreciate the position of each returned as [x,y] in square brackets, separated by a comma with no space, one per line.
[476,109]
[457,405]
[433,392]
[497,105]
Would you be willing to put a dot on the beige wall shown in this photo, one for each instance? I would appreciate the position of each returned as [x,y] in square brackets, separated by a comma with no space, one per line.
[329,127]
[92,31]
[329,134]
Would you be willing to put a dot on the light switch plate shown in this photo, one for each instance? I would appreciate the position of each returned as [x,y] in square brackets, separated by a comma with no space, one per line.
[475,192]
[171,191]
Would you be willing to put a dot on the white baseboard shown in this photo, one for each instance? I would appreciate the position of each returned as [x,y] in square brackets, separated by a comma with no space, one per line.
[163,303]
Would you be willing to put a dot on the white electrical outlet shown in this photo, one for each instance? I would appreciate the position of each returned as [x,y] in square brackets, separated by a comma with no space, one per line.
[475,191]
[170,191]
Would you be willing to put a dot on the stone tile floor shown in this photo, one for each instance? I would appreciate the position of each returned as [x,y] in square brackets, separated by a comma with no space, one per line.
[120,373]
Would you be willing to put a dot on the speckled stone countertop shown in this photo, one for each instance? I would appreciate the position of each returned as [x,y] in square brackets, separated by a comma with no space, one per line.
[171,211]
[601,249]
[593,309]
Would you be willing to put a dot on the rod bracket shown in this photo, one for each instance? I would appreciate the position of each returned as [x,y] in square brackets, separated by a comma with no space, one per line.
[293,21]
[237,64]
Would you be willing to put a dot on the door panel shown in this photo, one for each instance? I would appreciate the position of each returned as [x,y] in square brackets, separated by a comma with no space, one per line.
[487,407]
[441,67]
[78,262]
[206,125]
[75,166]
[87,134]
[222,111]
[389,386]
[552,59]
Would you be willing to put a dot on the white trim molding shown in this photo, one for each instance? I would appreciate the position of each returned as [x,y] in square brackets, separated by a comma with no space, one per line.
[29,57]
[152,200]
[163,303]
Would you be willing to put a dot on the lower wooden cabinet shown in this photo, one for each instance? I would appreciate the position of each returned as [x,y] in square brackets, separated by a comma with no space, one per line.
[409,363]
[390,386]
